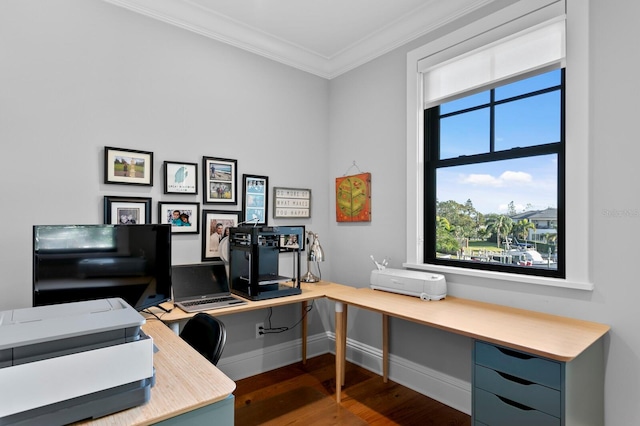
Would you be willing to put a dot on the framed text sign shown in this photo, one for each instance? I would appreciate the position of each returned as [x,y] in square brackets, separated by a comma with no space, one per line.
[291,203]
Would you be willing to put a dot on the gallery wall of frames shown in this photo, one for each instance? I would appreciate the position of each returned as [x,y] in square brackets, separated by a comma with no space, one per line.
[216,179]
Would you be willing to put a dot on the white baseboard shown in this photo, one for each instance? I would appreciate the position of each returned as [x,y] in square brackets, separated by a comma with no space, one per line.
[449,390]
[258,361]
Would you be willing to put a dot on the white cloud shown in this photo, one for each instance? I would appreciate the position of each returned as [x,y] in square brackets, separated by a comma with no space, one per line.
[481,180]
[508,178]
[519,177]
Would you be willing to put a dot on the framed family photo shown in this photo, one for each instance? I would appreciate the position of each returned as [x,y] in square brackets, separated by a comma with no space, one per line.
[180,178]
[220,176]
[294,240]
[215,230]
[184,218]
[127,210]
[128,166]
[255,199]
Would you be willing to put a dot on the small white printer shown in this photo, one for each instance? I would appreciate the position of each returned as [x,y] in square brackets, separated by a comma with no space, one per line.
[425,285]
[73,361]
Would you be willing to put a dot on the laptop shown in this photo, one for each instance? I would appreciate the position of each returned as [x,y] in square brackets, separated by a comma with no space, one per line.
[202,287]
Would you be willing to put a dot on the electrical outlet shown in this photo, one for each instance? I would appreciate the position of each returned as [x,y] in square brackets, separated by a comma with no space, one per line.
[259,328]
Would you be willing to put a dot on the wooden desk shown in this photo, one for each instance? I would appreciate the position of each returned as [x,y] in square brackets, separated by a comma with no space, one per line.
[550,336]
[568,341]
[309,292]
[185,381]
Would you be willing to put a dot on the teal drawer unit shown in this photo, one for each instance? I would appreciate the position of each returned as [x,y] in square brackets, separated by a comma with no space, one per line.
[495,410]
[512,387]
[523,392]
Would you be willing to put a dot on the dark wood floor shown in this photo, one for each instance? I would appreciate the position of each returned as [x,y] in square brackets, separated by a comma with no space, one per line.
[305,395]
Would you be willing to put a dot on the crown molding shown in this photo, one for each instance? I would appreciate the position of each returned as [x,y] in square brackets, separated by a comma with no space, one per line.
[400,32]
[195,18]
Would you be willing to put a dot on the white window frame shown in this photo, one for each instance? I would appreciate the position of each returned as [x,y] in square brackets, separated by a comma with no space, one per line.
[507,21]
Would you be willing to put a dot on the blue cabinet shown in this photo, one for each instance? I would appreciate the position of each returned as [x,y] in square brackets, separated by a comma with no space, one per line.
[220,413]
[512,387]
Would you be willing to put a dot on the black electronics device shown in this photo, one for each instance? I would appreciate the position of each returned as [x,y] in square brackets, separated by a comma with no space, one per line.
[83,262]
[254,254]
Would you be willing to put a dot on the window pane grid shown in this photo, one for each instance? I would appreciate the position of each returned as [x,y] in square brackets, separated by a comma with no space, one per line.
[490,109]
[523,126]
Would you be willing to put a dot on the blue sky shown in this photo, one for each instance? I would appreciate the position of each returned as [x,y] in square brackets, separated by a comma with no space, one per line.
[492,186]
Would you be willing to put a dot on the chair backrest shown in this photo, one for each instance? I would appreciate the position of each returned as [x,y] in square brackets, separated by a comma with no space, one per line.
[206,334]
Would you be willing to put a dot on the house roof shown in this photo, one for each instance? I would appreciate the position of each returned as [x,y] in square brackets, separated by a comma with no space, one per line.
[546,214]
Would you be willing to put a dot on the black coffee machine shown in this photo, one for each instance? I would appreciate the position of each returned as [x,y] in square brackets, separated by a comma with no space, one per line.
[254,254]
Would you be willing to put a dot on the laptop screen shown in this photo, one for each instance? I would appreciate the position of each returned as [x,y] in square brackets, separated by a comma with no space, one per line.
[193,281]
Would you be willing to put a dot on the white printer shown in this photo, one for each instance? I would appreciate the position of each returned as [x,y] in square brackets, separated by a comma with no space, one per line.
[73,361]
[425,285]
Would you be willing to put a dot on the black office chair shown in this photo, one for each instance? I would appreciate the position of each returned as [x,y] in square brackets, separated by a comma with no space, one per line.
[206,334]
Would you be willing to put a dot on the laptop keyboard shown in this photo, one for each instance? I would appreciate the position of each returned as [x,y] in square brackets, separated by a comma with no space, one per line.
[205,301]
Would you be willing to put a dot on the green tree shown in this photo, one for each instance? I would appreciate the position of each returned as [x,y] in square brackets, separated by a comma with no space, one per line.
[463,217]
[446,241]
[522,227]
[550,238]
[477,218]
[501,225]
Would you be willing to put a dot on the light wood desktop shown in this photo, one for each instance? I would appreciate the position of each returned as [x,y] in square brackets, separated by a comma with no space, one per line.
[550,336]
[185,381]
[310,291]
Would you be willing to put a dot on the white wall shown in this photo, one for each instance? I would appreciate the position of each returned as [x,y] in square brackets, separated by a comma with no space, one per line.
[368,124]
[79,75]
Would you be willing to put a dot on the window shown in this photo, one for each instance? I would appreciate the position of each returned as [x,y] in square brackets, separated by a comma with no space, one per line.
[486,31]
[494,163]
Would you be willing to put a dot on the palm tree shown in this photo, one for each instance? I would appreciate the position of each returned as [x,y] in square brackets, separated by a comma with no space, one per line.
[522,227]
[501,225]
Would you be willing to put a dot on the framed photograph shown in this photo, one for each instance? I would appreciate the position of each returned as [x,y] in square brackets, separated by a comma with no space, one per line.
[291,203]
[255,199]
[184,218]
[128,166]
[180,178]
[220,180]
[294,240]
[127,210]
[215,228]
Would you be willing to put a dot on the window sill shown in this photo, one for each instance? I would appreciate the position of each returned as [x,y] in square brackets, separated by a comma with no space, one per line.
[523,279]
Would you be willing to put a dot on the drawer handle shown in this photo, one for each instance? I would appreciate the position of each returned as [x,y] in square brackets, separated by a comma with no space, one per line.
[515,404]
[515,379]
[514,354]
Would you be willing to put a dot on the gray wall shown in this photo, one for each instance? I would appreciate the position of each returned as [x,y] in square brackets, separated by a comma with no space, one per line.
[368,124]
[78,75]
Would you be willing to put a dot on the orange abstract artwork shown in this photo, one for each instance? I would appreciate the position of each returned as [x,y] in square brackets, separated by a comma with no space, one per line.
[353,198]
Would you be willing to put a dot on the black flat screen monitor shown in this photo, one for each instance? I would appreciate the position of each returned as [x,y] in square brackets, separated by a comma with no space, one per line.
[84,262]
